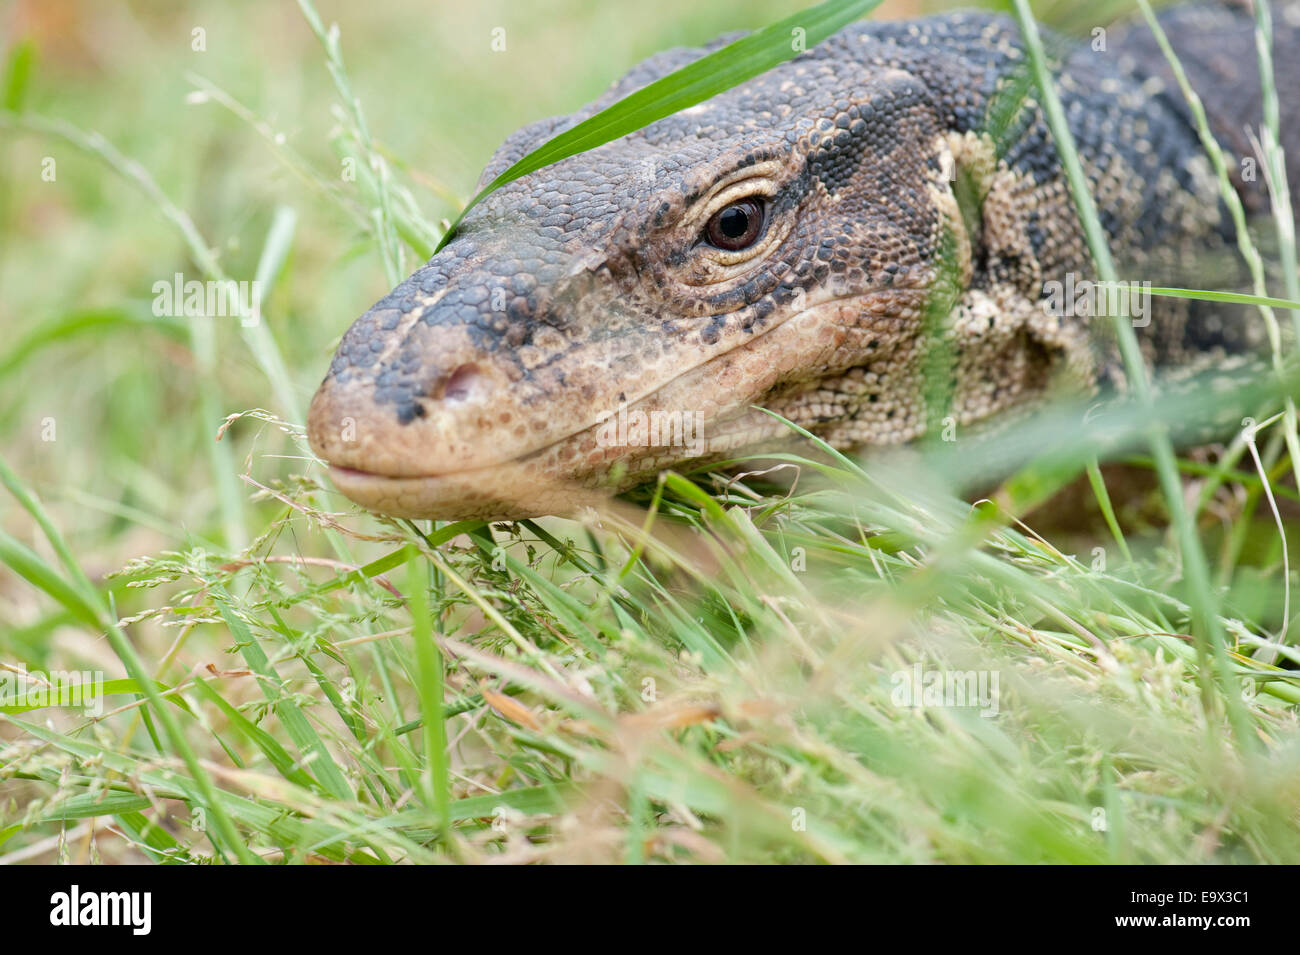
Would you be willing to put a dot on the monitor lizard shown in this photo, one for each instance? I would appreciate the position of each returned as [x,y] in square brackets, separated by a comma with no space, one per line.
[783,245]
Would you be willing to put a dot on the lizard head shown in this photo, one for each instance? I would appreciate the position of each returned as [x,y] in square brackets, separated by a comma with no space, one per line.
[623,311]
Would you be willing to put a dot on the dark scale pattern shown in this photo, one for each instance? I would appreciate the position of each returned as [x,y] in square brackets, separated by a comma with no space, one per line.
[911,194]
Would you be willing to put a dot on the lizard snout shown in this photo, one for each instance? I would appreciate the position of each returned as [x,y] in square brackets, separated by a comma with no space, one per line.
[442,396]
[412,398]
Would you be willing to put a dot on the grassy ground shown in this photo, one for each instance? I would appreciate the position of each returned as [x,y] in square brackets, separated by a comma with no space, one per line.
[717,670]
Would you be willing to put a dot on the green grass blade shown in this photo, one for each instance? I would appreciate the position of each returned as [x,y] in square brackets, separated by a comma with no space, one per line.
[277,754]
[1234,298]
[109,688]
[1209,632]
[694,83]
[18,75]
[295,721]
[429,670]
[136,320]
[29,565]
[279,242]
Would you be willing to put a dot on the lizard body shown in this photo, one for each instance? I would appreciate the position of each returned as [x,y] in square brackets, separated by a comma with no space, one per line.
[816,241]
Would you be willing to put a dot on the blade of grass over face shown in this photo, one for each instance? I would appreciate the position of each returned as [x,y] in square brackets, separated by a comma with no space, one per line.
[1208,628]
[694,83]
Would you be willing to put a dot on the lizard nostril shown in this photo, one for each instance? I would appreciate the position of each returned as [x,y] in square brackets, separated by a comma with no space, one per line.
[461,383]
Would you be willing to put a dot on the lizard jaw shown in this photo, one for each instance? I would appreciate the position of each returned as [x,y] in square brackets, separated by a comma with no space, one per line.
[502,492]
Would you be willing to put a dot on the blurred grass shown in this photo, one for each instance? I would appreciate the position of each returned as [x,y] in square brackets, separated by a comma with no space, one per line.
[705,680]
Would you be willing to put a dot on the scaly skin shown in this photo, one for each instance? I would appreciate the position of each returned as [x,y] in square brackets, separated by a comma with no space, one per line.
[913,208]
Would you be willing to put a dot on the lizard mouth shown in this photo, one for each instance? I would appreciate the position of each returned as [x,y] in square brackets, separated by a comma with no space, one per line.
[509,491]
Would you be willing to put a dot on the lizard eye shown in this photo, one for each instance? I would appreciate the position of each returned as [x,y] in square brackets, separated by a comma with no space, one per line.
[736,227]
